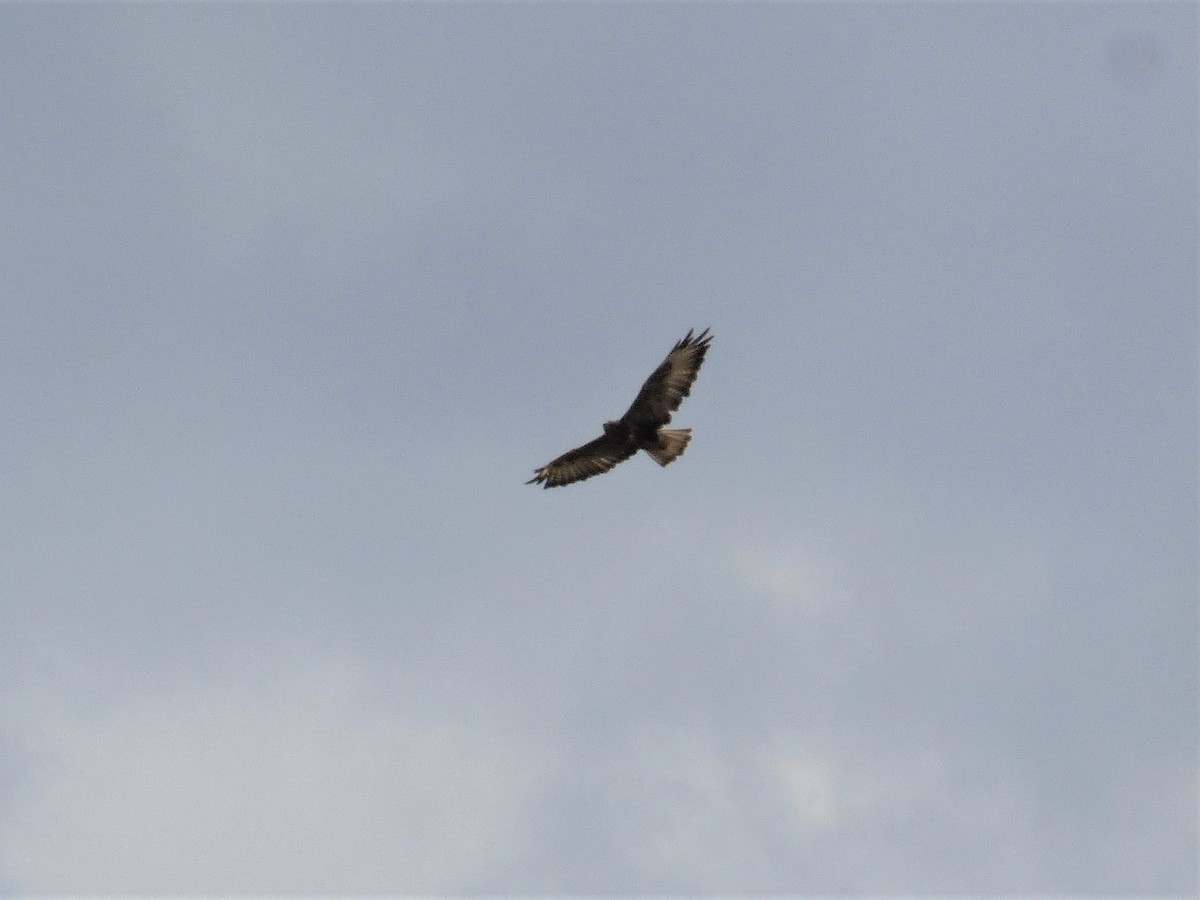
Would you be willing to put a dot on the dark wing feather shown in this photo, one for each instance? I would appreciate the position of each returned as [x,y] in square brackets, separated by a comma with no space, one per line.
[665,389]
[593,458]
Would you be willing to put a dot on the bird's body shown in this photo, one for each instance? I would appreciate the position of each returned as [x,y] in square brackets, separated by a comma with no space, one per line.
[641,428]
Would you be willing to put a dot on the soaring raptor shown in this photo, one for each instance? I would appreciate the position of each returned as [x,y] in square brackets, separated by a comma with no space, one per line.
[641,428]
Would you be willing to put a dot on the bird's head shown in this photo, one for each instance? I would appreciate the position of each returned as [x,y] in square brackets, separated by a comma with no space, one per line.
[611,426]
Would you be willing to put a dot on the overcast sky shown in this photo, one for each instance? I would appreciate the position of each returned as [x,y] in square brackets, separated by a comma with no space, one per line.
[293,299]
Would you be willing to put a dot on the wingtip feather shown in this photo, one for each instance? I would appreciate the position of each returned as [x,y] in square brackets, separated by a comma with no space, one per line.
[691,339]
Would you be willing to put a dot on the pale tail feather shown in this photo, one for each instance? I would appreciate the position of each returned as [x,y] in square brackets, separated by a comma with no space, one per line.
[670,446]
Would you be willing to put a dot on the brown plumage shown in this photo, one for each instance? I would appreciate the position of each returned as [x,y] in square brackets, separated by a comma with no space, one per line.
[641,428]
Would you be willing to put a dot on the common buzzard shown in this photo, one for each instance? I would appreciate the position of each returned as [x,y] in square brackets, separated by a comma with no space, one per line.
[641,428]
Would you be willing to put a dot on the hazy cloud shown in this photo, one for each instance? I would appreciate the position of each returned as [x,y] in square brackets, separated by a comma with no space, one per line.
[295,300]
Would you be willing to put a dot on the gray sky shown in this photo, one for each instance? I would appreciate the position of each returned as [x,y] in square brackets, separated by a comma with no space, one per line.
[294,299]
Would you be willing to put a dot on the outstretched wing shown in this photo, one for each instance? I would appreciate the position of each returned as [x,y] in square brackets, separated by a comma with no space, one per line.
[593,458]
[665,389]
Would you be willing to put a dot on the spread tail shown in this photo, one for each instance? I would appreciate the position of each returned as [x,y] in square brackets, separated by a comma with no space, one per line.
[670,446]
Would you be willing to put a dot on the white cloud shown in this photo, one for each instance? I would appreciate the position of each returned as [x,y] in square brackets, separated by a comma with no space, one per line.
[292,791]
[808,787]
[792,578]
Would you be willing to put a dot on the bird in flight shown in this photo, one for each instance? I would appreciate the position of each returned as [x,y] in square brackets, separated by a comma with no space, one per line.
[641,428]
